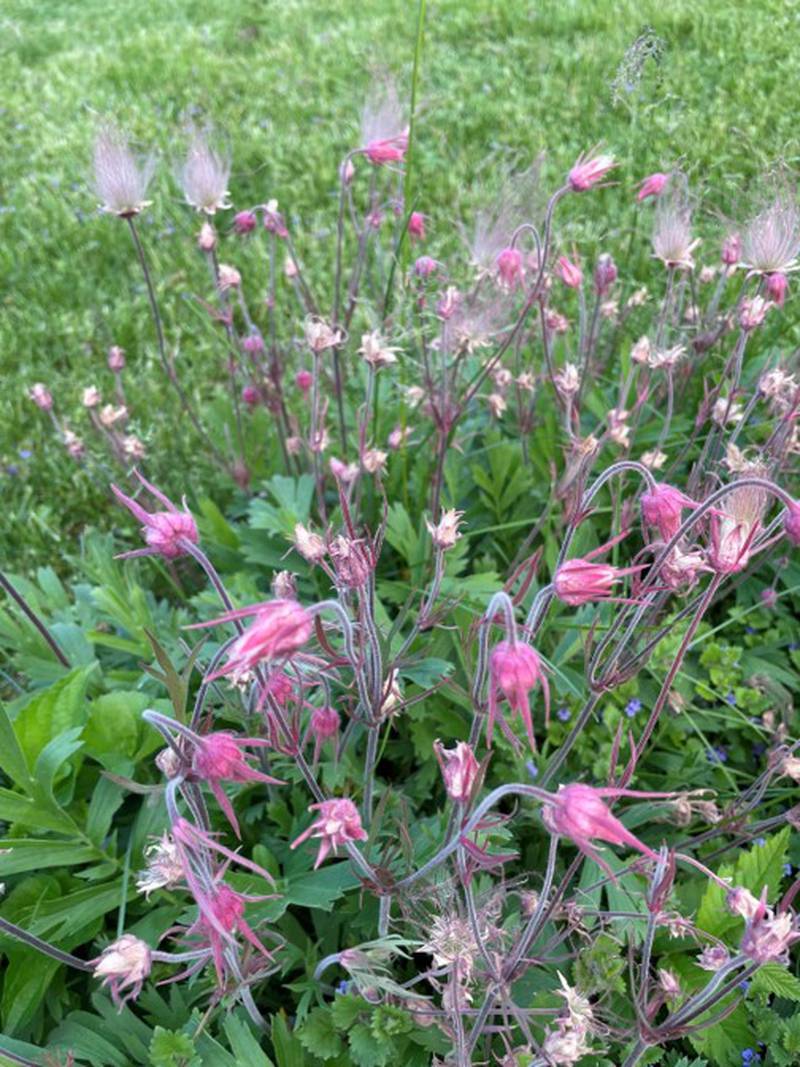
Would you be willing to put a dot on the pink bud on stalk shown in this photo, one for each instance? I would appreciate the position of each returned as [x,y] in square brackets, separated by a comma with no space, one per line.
[425,266]
[791,522]
[280,628]
[304,379]
[41,396]
[338,822]
[589,170]
[731,250]
[416,226]
[250,395]
[460,770]
[569,272]
[776,286]
[652,186]
[163,530]
[116,359]
[221,757]
[605,274]
[662,507]
[510,267]
[244,222]
[514,670]
[580,581]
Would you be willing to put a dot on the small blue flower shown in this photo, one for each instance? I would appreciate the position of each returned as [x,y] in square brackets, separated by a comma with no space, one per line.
[563,714]
[787,869]
[719,754]
[749,629]
[745,985]
[793,646]
[760,841]
[12,469]
[632,707]
[25,453]
[747,1055]
[343,987]
[532,769]
[730,698]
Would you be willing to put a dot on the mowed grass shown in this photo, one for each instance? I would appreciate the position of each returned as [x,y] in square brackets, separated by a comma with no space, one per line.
[501,83]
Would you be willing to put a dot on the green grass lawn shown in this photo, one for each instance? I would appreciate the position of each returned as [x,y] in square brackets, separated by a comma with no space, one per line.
[501,82]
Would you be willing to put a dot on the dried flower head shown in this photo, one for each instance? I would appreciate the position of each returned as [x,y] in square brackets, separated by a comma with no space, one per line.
[672,226]
[771,239]
[445,532]
[384,130]
[375,350]
[120,179]
[204,174]
[124,965]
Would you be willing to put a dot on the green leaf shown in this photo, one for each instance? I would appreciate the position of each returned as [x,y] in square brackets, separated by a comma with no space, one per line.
[723,1042]
[322,888]
[12,758]
[40,814]
[288,1050]
[292,498]
[171,1048]
[365,1049]
[773,978]
[243,1044]
[49,713]
[319,1036]
[28,976]
[345,1009]
[51,759]
[759,866]
[30,854]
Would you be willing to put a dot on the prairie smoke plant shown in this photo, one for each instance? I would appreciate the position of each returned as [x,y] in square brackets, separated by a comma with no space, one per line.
[165,532]
[120,179]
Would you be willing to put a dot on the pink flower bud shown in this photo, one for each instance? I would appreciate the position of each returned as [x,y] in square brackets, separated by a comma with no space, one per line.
[280,628]
[274,221]
[41,396]
[387,150]
[580,813]
[250,395]
[652,186]
[304,379]
[589,169]
[124,965]
[207,238]
[325,723]
[791,523]
[253,344]
[460,770]
[605,274]
[425,267]
[510,267]
[416,225]
[347,171]
[228,277]
[91,397]
[116,359]
[776,286]
[662,507]
[244,222]
[514,670]
[731,250]
[449,304]
[570,273]
[163,531]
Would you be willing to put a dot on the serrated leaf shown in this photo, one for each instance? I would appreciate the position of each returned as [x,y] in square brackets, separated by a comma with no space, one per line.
[759,866]
[773,978]
[171,1048]
[345,1009]
[365,1050]
[318,1034]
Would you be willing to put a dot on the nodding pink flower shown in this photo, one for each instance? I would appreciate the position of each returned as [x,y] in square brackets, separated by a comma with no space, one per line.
[588,170]
[253,344]
[278,686]
[605,274]
[124,965]
[662,506]
[510,267]
[279,629]
[41,396]
[580,813]
[514,670]
[580,581]
[734,528]
[384,132]
[338,822]
[221,916]
[776,286]
[387,149]
[425,266]
[324,726]
[652,186]
[449,304]
[244,222]
[164,531]
[304,379]
[116,359]
[570,273]
[250,395]
[416,225]
[273,220]
[731,250]
[791,522]
[460,770]
[221,757]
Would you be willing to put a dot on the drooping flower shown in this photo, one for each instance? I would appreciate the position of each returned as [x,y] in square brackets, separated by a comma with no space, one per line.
[569,272]
[425,266]
[791,522]
[274,221]
[776,286]
[91,397]
[323,726]
[164,531]
[320,335]
[375,351]
[662,507]
[605,274]
[309,544]
[510,267]
[589,169]
[445,532]
[416,226]
[731,250]
[221,916]
[280,628]
[652,186]
[460,769]
[204,174]
[580,813]
[580,581]
[124,965]
[338,822]
[244,222]
[713,957]
[222,757]
[514,670]
[768,935]
[120,179]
